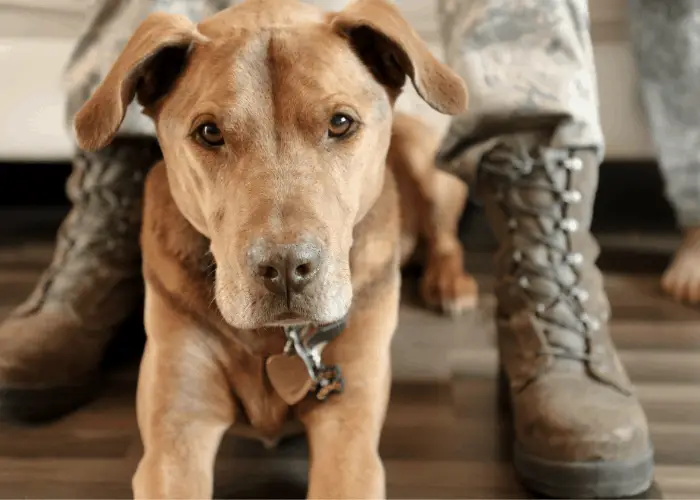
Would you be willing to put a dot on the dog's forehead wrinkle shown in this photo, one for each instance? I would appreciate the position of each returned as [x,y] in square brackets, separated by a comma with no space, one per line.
[252,78]
[262,14]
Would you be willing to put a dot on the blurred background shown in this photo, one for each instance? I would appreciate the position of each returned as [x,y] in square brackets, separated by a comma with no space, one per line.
[37,36]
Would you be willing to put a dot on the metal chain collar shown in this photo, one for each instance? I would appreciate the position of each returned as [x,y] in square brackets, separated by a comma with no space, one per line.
[307,342]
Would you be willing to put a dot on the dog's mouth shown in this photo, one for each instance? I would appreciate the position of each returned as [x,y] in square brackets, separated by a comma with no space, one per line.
[288,318]
[293,319]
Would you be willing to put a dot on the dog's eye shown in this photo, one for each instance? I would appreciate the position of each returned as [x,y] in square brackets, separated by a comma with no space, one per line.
[340,125]
[210,135]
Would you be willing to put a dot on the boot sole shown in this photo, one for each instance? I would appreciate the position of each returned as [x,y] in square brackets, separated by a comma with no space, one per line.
[35,406]
[603,479]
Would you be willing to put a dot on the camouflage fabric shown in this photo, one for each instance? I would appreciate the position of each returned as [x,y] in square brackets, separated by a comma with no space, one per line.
[666,41]
[524,63]
[531,60]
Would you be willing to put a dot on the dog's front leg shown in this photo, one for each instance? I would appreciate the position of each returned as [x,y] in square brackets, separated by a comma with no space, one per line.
[344,431]
[184,406]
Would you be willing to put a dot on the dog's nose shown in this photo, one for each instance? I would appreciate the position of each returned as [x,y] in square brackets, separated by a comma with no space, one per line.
[285,269]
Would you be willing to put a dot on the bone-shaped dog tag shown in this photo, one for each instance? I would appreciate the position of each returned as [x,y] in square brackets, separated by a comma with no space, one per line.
[289,377]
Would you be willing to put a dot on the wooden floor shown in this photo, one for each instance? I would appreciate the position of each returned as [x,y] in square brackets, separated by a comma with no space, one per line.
[445,436]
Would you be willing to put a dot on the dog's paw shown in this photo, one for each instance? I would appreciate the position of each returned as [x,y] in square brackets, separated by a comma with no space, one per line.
[446,287]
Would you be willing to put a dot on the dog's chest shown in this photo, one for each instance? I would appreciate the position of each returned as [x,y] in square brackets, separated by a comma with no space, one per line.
[264,416]
[267,386]
[260,408]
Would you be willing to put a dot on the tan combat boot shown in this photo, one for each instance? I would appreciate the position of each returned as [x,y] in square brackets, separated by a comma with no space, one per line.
[580,430]
[51,346]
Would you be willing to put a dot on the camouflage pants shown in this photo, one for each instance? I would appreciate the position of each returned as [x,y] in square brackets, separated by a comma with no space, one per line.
[667,49]
[523,61]
[533,59]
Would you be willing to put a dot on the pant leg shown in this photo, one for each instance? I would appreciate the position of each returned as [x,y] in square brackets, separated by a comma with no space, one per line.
[525,63]
[666,38]
[107,30]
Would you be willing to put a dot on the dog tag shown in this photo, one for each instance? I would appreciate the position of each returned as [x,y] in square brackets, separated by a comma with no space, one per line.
[289,377]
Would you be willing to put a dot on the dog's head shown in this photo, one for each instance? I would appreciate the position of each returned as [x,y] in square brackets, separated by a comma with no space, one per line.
[275,120]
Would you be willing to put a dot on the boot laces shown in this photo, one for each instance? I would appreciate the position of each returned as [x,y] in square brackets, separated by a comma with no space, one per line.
[544,283]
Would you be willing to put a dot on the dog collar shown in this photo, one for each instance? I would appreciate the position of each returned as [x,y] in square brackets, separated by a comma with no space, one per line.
[299,370]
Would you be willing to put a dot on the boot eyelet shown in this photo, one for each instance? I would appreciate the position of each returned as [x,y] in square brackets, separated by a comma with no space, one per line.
[517,256]
[540,308]
[524,282]
[575,164]
[512,224]
[581,295]
[572,197]
[569,225]
[591,324]
[574,259]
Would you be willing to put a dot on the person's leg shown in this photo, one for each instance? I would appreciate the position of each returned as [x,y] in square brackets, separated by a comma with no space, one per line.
[531,144]
[666,38]
[51,346]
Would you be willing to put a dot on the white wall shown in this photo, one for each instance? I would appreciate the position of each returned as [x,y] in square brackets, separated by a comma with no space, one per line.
[36,37]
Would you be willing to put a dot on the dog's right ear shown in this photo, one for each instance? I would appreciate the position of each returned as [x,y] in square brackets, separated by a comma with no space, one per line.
[153,58]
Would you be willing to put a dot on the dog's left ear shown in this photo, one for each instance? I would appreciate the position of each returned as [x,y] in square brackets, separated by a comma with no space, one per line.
[392,50]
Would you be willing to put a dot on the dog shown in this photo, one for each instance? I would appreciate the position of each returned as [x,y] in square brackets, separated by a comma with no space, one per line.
[275,228]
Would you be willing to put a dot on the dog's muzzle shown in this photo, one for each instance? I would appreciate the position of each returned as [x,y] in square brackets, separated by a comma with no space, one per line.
[286,270]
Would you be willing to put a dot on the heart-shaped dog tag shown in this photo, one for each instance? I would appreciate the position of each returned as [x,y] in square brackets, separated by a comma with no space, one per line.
[289,377]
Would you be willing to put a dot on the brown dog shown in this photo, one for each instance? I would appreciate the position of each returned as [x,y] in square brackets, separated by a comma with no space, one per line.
[274,208]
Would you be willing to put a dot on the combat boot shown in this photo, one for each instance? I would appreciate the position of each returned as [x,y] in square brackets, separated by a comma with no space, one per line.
[51,345]
[580,430]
